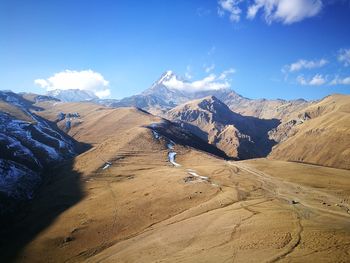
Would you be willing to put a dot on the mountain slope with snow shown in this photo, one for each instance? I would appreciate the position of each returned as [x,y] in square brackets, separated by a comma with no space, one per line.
[28,144]
[72,95]
[145,178]
[170,90]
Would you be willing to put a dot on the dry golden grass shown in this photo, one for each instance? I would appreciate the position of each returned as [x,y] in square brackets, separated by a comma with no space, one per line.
[322,140]
[143,209]
[14,111]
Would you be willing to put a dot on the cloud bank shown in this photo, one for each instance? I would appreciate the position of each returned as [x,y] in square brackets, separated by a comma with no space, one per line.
[340,81]
[341,59]
[231,7]
[316,80]
[284,11]
[319,80]
[344,57]
[71,79]
[304,64]
[211,82]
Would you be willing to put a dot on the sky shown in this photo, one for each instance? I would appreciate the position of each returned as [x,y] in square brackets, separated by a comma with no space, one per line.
[260,48]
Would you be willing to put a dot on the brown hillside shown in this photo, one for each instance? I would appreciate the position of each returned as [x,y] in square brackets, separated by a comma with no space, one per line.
[323,138]
[123,201]
[238,136]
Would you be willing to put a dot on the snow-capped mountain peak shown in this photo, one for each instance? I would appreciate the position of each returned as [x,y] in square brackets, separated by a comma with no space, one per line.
[165,77]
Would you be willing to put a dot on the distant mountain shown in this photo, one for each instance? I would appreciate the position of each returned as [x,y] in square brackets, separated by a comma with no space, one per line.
[264,108]
[35,98]
[160,98]
[157,99]
[169,95]
[238,136]
[72,95]
[150,103]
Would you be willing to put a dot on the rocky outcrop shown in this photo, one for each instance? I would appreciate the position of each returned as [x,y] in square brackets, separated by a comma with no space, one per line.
[238,136]
[28,145]
[319,135]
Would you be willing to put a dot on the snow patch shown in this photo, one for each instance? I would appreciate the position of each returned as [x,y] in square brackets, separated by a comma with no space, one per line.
[156,135]
[193,173]
[18,149]
[24,136]
[107,165]
[194,176]
[171,156]
[170,146]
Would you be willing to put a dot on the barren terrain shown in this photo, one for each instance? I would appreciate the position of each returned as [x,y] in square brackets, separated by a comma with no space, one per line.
[322,137]
[143,210]
[123,201]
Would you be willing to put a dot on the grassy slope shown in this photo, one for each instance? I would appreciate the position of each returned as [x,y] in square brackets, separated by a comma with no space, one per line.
[141,209]
[324,139]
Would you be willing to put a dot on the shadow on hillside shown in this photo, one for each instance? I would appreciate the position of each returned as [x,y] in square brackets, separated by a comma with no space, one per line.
[184,137]
[258,129]
[254,141]
[257,145]
[60,190]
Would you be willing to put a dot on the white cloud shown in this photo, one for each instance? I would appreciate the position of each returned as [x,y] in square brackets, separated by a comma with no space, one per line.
[285,11]
[253,10]
[317,80]
[340,81]
[301,80]
[209,68]
[211,82]
[304,64]
[226,73]
[344,56]
[231,7]
[71,79]
[41,82]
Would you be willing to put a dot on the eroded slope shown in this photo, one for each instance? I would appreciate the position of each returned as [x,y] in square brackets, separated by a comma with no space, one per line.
[321,137]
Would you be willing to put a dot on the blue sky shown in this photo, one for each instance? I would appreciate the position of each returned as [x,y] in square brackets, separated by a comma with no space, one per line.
[276,48]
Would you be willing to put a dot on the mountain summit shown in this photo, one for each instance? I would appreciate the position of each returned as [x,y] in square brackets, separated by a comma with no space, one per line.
[238,136]
[171,90]
[166,76]
[162,90]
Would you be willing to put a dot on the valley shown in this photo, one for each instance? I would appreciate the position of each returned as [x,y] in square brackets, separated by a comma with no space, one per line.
[142,209]
[175,132]
[196,181]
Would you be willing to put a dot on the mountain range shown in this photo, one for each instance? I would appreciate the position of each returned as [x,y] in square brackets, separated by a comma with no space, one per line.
[239,136]
[241,127]
[71,95]
[226,122]
[159,98]
[104,180]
